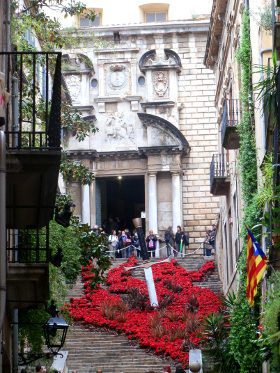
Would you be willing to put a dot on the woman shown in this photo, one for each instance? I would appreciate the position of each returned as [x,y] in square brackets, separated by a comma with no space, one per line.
[122,243]
[114,242]
[151,243]
[207,245]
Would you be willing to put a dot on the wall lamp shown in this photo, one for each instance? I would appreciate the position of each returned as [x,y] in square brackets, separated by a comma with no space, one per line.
[55,331]
[63,217]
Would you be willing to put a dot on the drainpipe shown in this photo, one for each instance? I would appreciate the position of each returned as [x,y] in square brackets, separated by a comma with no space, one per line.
[15,115]
[15,341]
[2,226]
[263,118]
[273,20]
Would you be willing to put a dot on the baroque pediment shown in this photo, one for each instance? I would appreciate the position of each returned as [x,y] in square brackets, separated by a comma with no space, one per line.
[159,59]
[162,133]
[76,63]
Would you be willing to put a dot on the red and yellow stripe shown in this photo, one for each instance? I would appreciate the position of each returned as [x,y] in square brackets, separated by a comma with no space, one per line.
[256,266]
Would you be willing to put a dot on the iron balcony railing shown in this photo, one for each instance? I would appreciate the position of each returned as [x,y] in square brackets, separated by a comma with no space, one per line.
[28,245]
[231,115]
[218,168]
[34,82]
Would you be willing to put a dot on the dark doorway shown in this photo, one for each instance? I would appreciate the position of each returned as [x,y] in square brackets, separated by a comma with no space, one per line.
[123,198]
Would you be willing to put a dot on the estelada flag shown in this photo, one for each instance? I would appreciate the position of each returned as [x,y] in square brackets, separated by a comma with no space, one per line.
[256,266]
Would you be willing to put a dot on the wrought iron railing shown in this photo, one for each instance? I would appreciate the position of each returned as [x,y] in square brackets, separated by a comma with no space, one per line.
[219,167]
[28,245]
[34,81]
[231,115]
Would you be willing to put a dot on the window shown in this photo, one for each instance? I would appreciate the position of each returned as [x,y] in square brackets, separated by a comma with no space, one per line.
[155,17]
[154,12]
[85,22]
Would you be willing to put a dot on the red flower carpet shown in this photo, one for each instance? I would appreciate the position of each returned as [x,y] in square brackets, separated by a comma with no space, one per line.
[172,328]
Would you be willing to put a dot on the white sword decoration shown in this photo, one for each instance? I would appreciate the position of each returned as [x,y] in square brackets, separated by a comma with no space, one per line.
[150,279]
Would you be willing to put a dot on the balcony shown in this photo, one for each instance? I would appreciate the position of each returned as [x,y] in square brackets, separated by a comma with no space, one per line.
[219,176]
[28,255]
[33,131]
[231,117]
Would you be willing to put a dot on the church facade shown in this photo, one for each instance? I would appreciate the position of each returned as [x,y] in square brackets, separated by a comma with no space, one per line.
[152,100]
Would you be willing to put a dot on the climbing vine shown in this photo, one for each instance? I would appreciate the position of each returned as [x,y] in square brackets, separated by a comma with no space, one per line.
[243,318]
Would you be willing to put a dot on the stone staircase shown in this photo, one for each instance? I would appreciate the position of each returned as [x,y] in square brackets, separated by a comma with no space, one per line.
[91,349]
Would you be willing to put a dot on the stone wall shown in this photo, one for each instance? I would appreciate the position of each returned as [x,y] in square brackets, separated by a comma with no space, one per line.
[199,124]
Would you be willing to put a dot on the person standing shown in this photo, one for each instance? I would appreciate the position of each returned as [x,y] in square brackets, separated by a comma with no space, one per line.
[114,241]
[207,245]
[151,243]
[122,245]
[213,235]
[136,243]
[179,241]
[169,241]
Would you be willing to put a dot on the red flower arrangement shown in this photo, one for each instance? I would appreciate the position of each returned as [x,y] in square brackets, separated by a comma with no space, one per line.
[172,328]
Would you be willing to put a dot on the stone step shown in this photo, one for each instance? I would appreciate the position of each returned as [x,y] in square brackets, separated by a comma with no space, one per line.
[92,349]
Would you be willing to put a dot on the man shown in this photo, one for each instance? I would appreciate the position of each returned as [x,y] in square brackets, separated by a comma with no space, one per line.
[169,241]
[179,241]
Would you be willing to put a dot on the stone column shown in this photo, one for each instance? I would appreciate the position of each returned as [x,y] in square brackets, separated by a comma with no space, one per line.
[176,201]
[152,193]
[92,191]
[85,204]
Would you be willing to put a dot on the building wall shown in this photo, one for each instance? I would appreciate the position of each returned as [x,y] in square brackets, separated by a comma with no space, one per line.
[193,113]
[222,60]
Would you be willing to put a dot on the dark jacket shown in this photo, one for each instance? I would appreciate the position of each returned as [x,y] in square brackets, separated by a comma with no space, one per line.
[152,238]
[179,236]
[169,237]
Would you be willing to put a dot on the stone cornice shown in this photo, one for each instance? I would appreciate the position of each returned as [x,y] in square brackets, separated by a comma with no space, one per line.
[117,99]
[157,104]
[141,152]
[143,29]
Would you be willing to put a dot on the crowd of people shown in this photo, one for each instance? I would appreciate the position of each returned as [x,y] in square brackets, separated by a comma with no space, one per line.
[123,242]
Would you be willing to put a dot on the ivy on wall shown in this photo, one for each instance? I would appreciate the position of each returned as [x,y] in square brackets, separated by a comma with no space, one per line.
[243,318]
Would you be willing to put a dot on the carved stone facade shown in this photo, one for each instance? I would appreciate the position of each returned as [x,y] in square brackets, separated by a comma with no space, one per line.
[153,102]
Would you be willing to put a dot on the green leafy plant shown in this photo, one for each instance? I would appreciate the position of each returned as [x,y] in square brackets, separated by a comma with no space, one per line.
[243,319]
[216,328]
[266,87]
[72,120]
[271,321]
[75,170]
[30,328]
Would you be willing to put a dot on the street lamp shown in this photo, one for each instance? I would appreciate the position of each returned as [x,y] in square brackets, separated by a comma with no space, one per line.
[54,330]
[138,225]
[63,218]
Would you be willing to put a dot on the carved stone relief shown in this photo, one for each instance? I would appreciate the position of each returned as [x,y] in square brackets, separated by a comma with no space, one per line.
[118,129]
[160,83]
[74,85]
[117,78]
